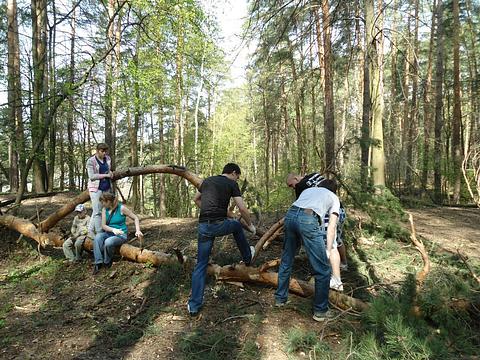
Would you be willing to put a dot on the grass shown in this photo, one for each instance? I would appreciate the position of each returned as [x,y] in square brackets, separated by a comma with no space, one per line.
[212,345]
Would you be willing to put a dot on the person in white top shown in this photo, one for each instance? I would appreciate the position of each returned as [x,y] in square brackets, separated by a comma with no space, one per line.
[302,227]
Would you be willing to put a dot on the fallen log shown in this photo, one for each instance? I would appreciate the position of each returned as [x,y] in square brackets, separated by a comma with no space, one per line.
[275,235]
[243,273]
[266,236]
[58,215]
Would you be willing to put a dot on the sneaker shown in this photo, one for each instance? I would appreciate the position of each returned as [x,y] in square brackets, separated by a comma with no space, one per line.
[343,267]
[336,284]
[192,313]
[252,250]
[281,304]
[322,316]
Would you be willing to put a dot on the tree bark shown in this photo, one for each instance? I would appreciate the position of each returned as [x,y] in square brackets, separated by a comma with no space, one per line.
[39,57]
[375,36]
[17,145]
[457,109]
[438,148]
[328,106]
[427,105]
[49,222]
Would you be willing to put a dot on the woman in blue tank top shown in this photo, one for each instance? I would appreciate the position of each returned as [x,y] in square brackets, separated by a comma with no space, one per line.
[114,225]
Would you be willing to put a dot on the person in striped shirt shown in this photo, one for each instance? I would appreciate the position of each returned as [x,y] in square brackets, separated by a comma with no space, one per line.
[338,259]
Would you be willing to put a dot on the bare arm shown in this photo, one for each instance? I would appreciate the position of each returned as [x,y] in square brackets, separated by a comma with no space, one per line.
[243,210]
[331,230]
[198,199]
[127,212]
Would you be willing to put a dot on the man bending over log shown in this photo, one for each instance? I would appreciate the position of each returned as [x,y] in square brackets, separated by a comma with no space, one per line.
[302,227]
[213,198]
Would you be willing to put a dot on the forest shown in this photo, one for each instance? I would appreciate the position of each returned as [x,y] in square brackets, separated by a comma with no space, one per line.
[383,96]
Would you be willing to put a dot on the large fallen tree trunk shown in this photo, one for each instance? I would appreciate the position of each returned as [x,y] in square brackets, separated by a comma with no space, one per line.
[303,288]
[58,215]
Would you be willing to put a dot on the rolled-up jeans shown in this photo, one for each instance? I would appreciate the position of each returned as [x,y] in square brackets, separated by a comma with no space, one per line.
[302,227]
[104,246]
[207,231]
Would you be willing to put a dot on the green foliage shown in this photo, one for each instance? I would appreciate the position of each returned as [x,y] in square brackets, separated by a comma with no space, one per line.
[202,344]
[306,341]
[392,331]
[249,351]
[386,212]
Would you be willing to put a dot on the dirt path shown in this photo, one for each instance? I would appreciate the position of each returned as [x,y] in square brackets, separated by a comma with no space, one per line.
[450,228]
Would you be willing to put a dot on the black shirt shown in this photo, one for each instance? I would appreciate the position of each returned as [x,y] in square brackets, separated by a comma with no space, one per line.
[216,193]
[308,181]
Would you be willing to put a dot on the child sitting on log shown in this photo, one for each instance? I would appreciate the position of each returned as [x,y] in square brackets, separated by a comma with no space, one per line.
[79,232]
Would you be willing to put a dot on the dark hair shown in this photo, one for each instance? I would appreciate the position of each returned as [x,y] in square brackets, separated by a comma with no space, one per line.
[102,146]
[329,184]
[230,168]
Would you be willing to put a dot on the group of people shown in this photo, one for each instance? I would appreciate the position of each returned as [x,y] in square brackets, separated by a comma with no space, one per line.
[313,221]
[107,226]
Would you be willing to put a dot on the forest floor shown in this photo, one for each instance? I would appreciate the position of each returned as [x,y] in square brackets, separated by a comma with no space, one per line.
[52,310]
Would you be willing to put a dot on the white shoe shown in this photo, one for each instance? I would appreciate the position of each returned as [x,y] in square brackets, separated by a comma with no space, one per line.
[336,284]
[252,250]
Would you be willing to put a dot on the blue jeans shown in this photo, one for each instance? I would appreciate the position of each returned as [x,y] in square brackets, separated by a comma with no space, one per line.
[104,246]
[299,228]
[206,234]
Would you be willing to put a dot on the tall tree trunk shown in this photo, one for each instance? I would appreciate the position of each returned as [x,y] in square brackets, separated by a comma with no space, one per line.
[267,149]
[197,106]
[109,133]
[439,105]
[298,114]
[133,129]
[177,149]
[328,107]
[457,107]
[474,87]
[17,145]
[39,57]
[366,114]
[52,145]
[427,104]
[375,43]
[71,117]
[412,119]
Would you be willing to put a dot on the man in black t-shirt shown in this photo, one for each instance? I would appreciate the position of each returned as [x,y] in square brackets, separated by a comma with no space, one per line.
[213,198]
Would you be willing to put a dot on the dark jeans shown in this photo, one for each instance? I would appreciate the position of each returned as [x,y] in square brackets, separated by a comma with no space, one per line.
[206,234]
[299,228]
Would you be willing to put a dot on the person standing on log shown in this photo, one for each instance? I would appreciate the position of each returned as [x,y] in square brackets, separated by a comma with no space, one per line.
[114,225]
[338,256]
[302,227]
[99,181]
[213,198]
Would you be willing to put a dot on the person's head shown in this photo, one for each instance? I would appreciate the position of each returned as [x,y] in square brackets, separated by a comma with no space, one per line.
[232,171]
[329,184]
[81,211]
[293,180]
[108,200]
[102,149]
